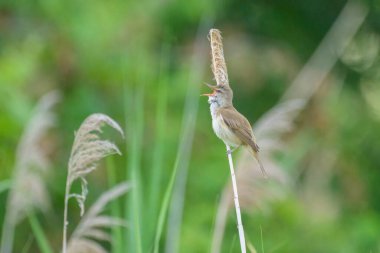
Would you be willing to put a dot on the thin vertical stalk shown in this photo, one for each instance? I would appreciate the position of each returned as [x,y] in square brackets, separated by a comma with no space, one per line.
[65,222]
[164,208]
[219,69]
[133,204]
[236,200]
[117,233]
[159,142]
[306,83]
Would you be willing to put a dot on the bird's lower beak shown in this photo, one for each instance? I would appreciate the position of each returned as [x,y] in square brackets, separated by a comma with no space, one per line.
[209,94]
[213,87]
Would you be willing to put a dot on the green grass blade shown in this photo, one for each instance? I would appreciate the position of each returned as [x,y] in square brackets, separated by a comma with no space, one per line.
[159,145]
[262,240]
[134,142]
[116,231]
[39,234]
[164,208]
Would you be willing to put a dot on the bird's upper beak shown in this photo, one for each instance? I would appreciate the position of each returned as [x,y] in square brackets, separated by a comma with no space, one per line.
[213,87]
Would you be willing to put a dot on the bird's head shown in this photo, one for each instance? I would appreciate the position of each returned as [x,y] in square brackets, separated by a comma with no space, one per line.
[221,95]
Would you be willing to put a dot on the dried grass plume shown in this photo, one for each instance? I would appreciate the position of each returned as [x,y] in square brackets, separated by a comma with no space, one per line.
[28,191]
[88,149]
[218,65]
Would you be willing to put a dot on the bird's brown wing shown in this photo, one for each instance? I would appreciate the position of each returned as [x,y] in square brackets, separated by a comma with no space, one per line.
[240,126]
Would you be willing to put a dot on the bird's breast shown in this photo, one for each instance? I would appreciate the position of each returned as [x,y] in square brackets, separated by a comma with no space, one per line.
[224,132]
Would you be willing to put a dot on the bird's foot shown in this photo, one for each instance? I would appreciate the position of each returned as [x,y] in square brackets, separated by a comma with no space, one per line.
[229,152]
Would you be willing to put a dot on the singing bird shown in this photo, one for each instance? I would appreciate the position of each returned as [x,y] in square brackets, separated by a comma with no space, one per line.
[229,125]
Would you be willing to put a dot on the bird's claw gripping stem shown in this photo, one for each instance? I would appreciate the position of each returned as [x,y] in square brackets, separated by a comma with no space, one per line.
[229,151]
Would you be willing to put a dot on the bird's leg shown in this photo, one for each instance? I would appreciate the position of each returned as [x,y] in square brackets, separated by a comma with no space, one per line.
[229,152]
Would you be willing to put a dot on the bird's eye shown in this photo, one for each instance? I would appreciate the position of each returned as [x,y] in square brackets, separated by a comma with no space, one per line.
[218,91]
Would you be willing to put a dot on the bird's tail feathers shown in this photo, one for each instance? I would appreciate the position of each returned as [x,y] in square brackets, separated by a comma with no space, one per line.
[256,155]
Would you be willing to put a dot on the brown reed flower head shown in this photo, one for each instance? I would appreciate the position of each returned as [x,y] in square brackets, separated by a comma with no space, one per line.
[88,149]
[218,65]
[29,189]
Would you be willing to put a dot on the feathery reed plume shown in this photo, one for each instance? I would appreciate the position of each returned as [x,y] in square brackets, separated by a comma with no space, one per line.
[91,226]
[280,119]
[219,69]
[85,246]
[28,190]
[88,149]
[218,66]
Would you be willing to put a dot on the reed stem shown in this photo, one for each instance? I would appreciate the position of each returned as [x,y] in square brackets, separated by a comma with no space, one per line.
[236,200]
[219,68]
[65,222]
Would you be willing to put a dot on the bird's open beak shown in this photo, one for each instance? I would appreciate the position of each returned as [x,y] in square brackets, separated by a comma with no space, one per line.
[208,94]
[213,87]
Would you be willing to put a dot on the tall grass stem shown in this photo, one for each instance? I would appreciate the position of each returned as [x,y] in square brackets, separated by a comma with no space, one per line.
[116,231]
[65,221]
[236,201]
[159,142]
[219,68]
[135,126]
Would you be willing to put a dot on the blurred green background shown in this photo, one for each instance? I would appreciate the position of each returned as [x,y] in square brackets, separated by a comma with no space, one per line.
[133,60]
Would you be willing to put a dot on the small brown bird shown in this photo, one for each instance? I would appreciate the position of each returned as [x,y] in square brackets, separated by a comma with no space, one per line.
[229,125]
